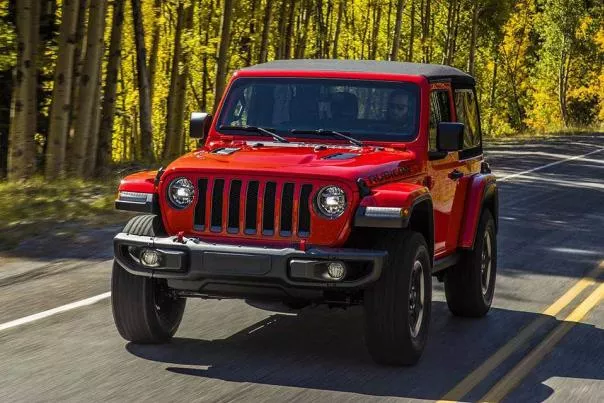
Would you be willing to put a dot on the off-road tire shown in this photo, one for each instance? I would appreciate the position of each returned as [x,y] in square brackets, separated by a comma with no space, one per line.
[468,293]
[143,309]
[388,334]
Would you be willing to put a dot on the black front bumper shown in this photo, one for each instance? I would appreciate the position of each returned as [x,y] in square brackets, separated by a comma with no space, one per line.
[241,271]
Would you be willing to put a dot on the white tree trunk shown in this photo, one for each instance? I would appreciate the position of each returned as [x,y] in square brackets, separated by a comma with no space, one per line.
[21,156]
[223,48]
[61,93]
[474,34]
[95,123]
[170,139]
[144,91]
[110,91]
[266,23]
[396,41]
[88,102]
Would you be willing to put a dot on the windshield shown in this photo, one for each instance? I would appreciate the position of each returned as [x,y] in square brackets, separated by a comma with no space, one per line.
[365,110]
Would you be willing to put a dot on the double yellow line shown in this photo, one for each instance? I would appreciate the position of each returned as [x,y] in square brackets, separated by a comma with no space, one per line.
[513,378]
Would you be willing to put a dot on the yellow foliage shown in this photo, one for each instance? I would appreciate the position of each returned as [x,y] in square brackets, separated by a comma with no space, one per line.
[599,39]
[544,113]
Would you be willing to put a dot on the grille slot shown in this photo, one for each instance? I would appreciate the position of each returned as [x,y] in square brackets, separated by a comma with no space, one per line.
[237,206]
[200,209]
[287,208]
[251,203]
[268,213]
[304,212]
[216,224]
[234,196]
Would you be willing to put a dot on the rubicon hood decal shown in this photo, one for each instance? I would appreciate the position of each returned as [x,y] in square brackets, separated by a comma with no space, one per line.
[387,176]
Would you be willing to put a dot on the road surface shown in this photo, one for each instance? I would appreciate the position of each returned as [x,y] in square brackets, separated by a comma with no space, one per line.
[542,340]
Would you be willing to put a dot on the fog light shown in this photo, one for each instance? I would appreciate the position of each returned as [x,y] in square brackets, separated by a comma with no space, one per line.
[336,270]
[150,257]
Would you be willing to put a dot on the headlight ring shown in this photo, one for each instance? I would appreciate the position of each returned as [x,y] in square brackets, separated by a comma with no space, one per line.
[181,193]
[331,202]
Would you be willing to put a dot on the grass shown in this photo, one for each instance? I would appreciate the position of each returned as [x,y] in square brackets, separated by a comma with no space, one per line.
[36,207]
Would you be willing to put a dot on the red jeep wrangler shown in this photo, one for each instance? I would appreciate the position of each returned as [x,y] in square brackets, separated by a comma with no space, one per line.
[319,181]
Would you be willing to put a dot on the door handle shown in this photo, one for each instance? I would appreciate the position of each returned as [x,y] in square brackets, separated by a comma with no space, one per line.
[455,174]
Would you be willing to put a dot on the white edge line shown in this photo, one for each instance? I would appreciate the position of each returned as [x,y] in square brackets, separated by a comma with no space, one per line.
[548,165]
[54,311]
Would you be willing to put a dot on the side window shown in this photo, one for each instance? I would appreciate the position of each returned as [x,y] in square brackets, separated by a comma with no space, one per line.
[240,109]
[440,111]
[467,113]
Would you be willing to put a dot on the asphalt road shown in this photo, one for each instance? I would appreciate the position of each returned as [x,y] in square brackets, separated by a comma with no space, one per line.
[550,238]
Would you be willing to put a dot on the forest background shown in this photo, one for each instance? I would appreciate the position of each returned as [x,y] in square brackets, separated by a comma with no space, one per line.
[87,84]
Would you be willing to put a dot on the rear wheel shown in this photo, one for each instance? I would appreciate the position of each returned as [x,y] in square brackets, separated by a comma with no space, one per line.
[144,309]
[398,306]
[470,284]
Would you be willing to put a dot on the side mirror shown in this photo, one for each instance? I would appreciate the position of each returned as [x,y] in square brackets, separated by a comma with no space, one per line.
[449,136]
[199,125]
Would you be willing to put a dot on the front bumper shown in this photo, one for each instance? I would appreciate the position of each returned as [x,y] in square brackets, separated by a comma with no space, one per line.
[196,265]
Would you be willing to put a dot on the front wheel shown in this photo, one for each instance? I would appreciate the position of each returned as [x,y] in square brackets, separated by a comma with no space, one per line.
[398,305]
[144,310]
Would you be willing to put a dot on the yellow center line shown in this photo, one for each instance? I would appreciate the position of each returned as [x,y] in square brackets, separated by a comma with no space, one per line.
[528,363]
[480,373]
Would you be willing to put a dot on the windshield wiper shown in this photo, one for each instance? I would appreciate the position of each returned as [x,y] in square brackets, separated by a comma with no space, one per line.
[323,132]
[255,129]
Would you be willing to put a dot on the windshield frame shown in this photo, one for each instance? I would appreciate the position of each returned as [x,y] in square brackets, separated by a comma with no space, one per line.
[371,135]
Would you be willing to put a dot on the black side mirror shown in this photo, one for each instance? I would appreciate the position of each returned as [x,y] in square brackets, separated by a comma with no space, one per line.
[449,136]
[199,125]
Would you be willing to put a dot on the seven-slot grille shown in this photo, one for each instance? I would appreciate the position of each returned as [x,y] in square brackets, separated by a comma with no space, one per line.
[232,206]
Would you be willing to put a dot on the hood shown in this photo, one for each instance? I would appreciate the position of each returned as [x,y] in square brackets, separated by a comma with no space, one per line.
[375,164]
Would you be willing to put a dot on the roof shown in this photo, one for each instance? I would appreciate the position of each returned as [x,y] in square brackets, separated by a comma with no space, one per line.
[430,71]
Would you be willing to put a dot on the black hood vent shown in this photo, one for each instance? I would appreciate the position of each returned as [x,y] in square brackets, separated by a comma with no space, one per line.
[225,150]
[341,156]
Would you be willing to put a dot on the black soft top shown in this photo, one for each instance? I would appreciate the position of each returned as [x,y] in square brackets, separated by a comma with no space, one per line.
[433,72]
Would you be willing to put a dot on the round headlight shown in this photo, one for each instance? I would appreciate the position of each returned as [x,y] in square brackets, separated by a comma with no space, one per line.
[331,201]
[181,192]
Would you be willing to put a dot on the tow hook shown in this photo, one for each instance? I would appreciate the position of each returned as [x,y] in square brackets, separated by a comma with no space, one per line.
[180,237]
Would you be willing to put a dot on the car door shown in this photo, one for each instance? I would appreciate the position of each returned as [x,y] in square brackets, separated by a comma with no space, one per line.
[444,172]
[470,157]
